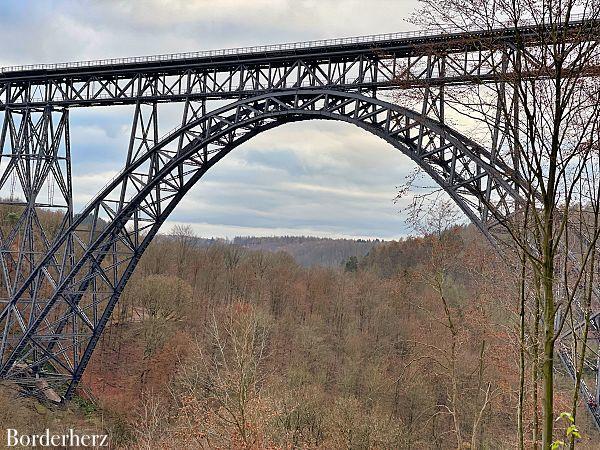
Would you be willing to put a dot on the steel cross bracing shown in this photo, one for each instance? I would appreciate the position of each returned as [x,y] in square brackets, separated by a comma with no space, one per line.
[60,287]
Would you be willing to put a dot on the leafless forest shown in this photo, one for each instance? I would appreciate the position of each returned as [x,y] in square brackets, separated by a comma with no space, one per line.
[415,345]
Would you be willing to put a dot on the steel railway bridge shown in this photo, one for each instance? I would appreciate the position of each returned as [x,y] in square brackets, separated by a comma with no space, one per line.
[60,285]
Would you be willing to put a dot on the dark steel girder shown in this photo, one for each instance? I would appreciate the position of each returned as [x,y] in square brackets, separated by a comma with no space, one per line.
[385,63]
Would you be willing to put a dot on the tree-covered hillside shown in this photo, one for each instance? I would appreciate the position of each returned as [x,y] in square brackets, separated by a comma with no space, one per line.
[220,346]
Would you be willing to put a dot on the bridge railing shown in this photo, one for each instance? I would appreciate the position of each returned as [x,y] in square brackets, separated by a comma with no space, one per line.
[257,49]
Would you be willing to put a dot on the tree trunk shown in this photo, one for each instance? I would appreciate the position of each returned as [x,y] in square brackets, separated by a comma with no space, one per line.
[548,364]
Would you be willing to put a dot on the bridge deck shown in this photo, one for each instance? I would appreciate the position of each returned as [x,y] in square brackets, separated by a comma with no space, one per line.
[365,63]
[401,44]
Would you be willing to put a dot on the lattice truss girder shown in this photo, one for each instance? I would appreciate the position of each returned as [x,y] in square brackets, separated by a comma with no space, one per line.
[109,237]
[457,60]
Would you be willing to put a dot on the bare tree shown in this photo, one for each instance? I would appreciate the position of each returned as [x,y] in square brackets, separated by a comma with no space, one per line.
[540,115]
[437,220]
[185,240]
[227,378]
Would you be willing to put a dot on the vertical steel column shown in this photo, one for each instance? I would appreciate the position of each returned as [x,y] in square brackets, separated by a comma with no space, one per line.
[433,96]
[36,208]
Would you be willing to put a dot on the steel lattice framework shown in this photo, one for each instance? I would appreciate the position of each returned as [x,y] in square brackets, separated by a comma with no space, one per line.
[60,286]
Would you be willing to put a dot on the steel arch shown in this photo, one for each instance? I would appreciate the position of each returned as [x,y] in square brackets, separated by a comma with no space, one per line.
[74,305]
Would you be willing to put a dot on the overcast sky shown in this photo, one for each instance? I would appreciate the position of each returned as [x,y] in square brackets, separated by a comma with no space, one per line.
[316,177]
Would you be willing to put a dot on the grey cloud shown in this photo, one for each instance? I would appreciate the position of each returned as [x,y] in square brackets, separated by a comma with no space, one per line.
[316,177]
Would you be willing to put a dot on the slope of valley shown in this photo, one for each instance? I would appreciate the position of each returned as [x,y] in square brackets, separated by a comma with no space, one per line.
[219,345]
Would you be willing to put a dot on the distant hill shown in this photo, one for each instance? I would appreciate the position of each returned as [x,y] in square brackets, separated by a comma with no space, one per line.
[309,251]
[306,250]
